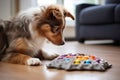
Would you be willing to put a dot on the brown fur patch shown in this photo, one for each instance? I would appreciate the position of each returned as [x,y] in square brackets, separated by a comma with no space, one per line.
[17,58]
[20,45]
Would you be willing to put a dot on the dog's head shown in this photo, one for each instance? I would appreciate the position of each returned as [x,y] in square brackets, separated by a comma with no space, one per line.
[51,23]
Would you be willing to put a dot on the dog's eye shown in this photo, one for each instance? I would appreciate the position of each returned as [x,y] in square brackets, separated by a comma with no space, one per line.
[55,29]
[64,13]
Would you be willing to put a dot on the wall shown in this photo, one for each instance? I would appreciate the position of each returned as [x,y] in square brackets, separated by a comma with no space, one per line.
[8,7]
[5,9]
[25,4]
[69,32]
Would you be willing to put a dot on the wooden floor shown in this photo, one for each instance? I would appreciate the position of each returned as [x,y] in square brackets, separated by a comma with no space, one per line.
[109,52]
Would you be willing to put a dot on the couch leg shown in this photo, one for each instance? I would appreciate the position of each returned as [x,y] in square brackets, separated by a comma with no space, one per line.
[116,42]
[81,40]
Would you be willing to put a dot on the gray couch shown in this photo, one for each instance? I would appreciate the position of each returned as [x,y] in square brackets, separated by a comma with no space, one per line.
[98,21]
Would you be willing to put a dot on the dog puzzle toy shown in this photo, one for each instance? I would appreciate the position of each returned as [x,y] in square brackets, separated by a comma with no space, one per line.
[79,62]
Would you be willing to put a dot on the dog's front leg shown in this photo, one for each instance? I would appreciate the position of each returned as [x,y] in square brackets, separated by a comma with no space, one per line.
[44,55]
[18,58]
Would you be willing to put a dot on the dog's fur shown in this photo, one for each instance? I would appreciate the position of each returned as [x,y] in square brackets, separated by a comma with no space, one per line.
[22,37]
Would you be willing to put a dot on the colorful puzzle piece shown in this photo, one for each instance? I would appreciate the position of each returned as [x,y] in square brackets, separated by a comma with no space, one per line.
[79,62]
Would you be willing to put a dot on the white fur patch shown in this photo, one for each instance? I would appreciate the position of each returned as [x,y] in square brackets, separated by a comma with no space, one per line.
[29,13]
[33,62]
[36,44]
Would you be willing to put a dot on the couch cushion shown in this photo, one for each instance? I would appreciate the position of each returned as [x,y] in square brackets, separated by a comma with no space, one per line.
[117,14]
[98,14]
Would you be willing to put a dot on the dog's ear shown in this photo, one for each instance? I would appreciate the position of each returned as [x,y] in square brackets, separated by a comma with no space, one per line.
[57,11]
[54,13]
[68,14]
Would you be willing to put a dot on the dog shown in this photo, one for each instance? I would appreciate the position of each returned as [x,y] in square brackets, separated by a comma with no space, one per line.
[22,37]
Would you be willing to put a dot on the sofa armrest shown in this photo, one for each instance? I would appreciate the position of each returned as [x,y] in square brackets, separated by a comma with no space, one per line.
[78,9]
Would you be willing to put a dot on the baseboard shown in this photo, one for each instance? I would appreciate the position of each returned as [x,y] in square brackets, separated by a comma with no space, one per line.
[70,39]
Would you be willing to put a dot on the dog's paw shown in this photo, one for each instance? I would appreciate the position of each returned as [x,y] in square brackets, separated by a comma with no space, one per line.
[33,62]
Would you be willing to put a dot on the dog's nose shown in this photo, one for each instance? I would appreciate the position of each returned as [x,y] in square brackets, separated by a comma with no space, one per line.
[62,43]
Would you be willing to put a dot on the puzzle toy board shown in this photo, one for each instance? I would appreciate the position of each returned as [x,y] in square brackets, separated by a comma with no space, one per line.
[79,62]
